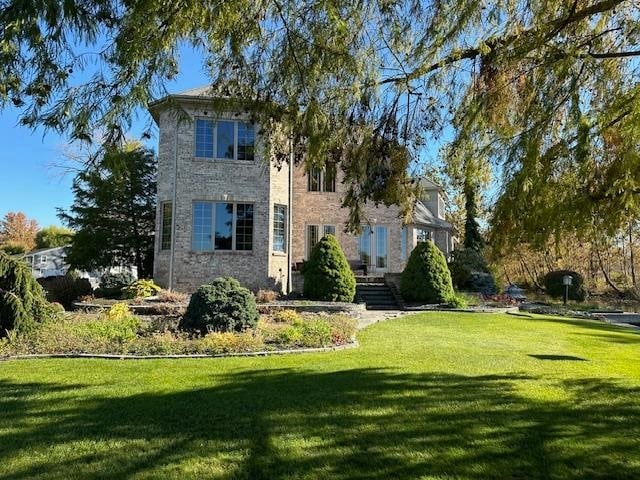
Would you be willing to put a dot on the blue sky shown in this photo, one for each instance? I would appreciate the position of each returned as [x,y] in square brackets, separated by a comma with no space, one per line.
[29,181]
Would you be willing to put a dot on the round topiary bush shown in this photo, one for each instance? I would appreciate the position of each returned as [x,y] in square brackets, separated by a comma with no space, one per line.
[112,285]
[555,288]
[426,278]
[22,301]
[222,306]
[327,274]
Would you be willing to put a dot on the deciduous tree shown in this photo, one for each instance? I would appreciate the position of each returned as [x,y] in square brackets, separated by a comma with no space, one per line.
[17,233]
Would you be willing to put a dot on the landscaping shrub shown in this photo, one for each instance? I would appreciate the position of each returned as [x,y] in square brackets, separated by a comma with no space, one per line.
[481,282]
[228,342]
[65,289]
[171,296]
[286,316]
[469,271]
[222,306]
[554,287]
[426,277]
[266,296]
[22,300]
[118,311]
[458,301]
[315,333]
[113,284]
[327,274]
[141,289]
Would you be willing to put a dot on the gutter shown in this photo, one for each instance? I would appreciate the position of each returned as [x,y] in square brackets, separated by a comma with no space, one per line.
[173,205]
[290,218]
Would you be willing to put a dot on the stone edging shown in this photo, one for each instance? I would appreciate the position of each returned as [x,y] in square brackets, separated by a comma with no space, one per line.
[111,356]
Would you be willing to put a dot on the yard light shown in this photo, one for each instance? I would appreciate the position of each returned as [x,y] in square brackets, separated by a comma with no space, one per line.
[567,281]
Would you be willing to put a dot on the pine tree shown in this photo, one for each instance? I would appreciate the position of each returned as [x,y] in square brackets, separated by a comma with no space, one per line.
[113,213]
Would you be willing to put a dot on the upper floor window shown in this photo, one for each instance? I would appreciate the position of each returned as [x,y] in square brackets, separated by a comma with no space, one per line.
[224,139]
[222,226]
[322,180]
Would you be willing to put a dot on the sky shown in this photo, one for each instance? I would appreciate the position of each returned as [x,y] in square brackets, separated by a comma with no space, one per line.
[31,183]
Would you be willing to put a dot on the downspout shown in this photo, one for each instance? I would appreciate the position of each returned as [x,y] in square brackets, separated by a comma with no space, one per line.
[290,217]
[173,205]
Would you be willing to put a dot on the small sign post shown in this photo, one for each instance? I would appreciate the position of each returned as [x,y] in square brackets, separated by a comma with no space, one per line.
[567,281]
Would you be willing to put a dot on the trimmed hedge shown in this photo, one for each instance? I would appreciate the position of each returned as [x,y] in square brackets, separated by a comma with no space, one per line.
[554,287]
[112,285]
[327,274]
[222,306]
[65,289]
[426,277]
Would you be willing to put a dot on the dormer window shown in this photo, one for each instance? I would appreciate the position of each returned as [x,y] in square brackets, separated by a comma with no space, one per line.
[322,180]
[224,139]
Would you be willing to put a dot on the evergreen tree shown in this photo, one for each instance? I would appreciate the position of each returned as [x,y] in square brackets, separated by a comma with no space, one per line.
[472,236]
[113,213]
[22,301]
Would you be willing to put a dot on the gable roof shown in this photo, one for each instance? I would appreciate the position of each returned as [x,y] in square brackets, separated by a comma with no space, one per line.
[423,216]
[39,251]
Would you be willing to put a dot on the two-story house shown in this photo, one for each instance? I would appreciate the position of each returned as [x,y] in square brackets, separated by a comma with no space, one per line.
[224,210]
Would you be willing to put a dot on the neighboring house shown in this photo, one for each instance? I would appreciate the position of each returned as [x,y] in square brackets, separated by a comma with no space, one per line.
[52,262]
[223,210]
[47,262]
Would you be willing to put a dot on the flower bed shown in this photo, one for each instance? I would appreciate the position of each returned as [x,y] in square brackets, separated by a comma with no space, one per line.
[97,333]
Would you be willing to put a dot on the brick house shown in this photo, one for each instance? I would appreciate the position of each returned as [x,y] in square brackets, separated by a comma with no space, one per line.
[223,210]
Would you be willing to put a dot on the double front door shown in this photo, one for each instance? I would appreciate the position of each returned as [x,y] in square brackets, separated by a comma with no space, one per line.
[374,248]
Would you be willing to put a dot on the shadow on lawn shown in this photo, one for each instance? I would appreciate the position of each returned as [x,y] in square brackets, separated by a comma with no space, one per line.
[356,424]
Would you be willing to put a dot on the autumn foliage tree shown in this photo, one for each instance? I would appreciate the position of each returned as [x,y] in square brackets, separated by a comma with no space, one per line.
[17,233]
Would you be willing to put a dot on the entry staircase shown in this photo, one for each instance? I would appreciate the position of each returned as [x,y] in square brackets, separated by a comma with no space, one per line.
[375,293]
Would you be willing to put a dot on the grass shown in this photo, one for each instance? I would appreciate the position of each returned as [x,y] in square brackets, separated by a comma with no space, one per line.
[438,395]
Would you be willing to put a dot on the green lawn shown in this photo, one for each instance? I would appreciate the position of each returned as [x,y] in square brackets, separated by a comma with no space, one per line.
[440,395]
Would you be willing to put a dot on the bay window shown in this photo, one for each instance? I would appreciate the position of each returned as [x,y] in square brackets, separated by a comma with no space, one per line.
[222,226]
[224,139]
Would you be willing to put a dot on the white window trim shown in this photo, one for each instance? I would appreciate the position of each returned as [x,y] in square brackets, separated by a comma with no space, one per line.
[286,218]
[215,157]
[234,218]
[43,259]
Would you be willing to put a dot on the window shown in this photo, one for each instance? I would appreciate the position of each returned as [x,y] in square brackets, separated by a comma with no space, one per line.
[403,243]
[322,180]
[422,235]
[244,226]
[204,138]
[222,226]
[224,139]
[202,226]
[43,259]
[312,238]
[279,228]
[246,141]
[167,214]
[313,235]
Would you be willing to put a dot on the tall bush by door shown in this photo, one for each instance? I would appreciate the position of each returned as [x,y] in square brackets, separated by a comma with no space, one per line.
[327,274]
[222,306]
[426,277]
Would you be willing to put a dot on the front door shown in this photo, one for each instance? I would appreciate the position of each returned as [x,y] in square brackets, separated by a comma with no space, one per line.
[374,248]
